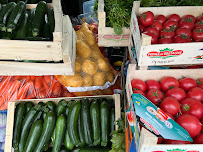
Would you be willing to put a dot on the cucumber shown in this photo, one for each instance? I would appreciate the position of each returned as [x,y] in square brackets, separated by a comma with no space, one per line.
[38,116]
[34,135]
[72,122]
[63,149]
[104,116]
[48,128]
[16,16]
[51,20]
[95,117]
[26,124]
[1,6]
[18,119]
[5,15]
[81,132]
[21,33]
[89,149]
[7,35]
[86,121]
[38,20]
[29,25]
[61,107]
[46,29]
[112,120]
[28,106]
[67,110]
[51,105]
[41,103]
[59,133]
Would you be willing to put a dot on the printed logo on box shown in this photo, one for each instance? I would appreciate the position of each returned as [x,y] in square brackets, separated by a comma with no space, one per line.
[116,37]
[165,53]
[177,150]
[200,57]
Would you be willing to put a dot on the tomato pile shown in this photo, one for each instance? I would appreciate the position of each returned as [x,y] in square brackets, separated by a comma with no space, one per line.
[181,99]
[171,28]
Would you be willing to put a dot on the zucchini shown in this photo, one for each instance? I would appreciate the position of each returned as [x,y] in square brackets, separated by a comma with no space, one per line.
[95,117]
[86,121]
[1,6]
[59,133]
[51,105]
[89,149]
[104,116]
[67,110]
[51,20]
[112,120]
[41,103]
[48,128]
[38,116]
[29,25]
[18,119]
[38,20]
[46,29]
[5,15]
[23,27]
[26,124]
[81,132]
[28,106]
[34,135]
[7,35]
[61,107]
[16,16]
[72,122]
[63,149]
[4,1]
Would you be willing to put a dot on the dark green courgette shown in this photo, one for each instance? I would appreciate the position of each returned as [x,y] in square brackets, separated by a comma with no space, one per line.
[34,135]
[63,149]
[93,149]
[29,24]
[51,20]
[16,16]
[7,35]
[41,103]
[46,29]
[81,132]
[28,106]
[95,117]
[21,33]
[86,121]
[18,119]
[61,107]
[1,6]
[51,105]
[4,1]
[112,120]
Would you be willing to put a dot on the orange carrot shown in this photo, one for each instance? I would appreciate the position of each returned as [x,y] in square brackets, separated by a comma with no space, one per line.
[38,82]
[32,78]
[46,87]
[4,82]
[48,79]
[16,78]
[5,88]
[27,78]
[57,89]
[31,93]
[52,85]
[41,95]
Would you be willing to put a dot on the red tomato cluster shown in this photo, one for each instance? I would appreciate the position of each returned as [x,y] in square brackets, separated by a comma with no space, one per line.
[181,99]
[171,28]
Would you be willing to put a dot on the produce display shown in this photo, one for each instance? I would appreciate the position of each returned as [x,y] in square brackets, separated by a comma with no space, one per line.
[172,28]
[27,1]
[79,125]
[181,99]
[19,23]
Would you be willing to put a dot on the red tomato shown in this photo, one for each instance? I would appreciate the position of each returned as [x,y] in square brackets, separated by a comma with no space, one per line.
[174,142]
[177,93]
[197,33]
[146,18]
[202,123]
[171,25]
[184,31]
[160,18]
[154,37]
[198,139]
[170,116]
[190,123]
[167,34]
[155,96]
[200,83]
[157,25]
[187,23]
[189,17]
[199,24]
[160,140]
[170,105]
[152,30]
[153,84]
[138,84]
[200,40]
[181,39]
[173,17]
[187,83]
[165,41]
[141,27]
[196,93]
[199,18]
[168,82]
[193,107]
[139,92]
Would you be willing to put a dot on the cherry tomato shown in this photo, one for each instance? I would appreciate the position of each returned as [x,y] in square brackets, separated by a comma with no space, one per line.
[189,17]
[152,30]
[174,142]
[197,33]
[171,25]
[199,24]
[160,18]
[199,18]
[168,83]
[174,17]
[165,41]
[170,105]
[177,93]
[146,18]
[190,123]
[139,92]
[181,39]
[138,84]
[198,139]
[196,93]
[157,25]
[153,84]
[155,96]
[184,31]
[200,83]
[187,23]
[154,39]
[187,83]
[167,34]
[141,27]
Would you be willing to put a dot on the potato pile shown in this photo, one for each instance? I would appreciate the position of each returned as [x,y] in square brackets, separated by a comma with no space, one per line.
[91,68]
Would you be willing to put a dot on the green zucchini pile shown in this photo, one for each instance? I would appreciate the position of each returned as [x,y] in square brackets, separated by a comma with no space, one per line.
[28,1]
[18,23]
[76,126]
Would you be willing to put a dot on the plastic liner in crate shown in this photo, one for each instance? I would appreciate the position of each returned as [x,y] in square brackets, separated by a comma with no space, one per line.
[3,119]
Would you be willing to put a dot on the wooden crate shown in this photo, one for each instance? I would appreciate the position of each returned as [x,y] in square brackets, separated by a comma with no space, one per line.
[165,54]
[62,48]
[106,35]
[12,105]
[148,141]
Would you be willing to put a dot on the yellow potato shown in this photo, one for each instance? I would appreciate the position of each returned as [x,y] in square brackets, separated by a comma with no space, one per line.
[87,79]
[109,77]
[80,35]
[96,53]
[89,67]
[84,27]
[83,49]
[99,79]
[103,64]
[89,37]
[77,66]
[74,81]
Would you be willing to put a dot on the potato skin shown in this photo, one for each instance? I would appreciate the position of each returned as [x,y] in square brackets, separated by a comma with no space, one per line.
[74,81]
[87,79]
[83,50]
[89,67]
[103,65]
[99,79]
